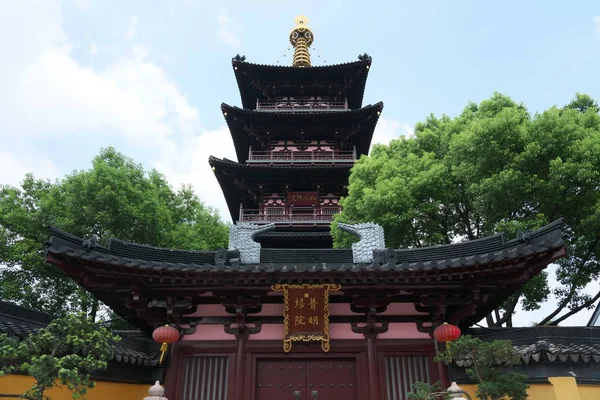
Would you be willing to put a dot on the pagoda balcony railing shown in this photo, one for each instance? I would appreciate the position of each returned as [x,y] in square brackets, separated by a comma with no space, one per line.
[290,157]
[291,107]
[322,216]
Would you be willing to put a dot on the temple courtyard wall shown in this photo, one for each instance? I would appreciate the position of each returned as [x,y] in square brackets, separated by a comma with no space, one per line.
[104,390]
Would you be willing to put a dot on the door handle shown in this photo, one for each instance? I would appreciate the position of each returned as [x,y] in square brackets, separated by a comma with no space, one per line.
[315,394]
[296,395]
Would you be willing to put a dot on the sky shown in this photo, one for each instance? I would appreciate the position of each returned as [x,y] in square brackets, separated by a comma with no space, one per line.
[148,77]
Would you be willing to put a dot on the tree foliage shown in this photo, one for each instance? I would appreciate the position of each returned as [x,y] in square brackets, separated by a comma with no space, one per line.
[66,354]
[426,391]
[494,167]
[116,197]
[487,359]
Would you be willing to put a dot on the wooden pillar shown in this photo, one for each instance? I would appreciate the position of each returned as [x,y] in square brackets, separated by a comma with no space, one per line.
[442,368]
[239,367]
[373,368]
[370,305]
[170,371]
[241,305]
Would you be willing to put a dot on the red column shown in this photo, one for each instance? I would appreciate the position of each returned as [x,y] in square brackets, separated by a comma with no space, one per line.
[442,368]
[239,368]
[373,368]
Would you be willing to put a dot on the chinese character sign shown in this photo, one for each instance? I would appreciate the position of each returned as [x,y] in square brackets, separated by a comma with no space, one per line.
[303,198]
[306,313]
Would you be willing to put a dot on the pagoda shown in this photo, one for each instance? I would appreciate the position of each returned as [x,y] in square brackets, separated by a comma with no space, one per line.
[280,314]
[297,135]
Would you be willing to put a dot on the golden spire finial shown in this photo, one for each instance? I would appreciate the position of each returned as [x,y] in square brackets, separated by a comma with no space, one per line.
[301,38]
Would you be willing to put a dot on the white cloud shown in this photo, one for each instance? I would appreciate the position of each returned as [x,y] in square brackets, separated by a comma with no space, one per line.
[48,94]
[597,24]
[132,30]
[168,59]
[132,96]
[13,168]
[228,28]
[188,164]
[389,129]
[93,49]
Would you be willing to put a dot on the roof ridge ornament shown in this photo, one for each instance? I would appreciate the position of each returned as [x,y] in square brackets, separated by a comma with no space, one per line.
[371,237]
[301,38]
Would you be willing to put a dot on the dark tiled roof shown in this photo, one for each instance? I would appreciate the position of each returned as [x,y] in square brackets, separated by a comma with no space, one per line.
[329,124]
[475,252]
[108,272]
[491,250]
[134,348]
[273,178]
[337,74]
[546,344]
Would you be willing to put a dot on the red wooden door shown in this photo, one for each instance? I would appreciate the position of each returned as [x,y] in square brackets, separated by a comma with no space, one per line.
[331,379]
[306,380]
[280,380]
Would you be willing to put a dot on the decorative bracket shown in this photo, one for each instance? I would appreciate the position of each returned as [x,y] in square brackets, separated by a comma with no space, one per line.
[241,306]
[370,305]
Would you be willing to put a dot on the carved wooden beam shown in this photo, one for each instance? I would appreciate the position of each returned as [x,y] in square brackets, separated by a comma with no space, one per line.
[370,304]
[241,305]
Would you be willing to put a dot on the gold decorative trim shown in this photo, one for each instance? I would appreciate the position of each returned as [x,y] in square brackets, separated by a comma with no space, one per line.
[324,337]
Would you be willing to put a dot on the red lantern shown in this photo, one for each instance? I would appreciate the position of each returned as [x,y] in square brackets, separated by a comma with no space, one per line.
[165,335]
[446,333]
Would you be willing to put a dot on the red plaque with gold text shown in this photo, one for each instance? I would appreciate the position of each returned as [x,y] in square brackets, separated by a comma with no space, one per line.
[303,198]
[305,313]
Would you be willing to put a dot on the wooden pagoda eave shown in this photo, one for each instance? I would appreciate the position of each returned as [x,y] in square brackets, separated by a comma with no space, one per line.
[238,181]
[506,272]
[458,283]
[460,295]
[255,80]
[254,128]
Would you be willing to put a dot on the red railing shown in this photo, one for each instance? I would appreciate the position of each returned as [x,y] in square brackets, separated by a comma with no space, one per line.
[323,215]
[293,107]
[301,156]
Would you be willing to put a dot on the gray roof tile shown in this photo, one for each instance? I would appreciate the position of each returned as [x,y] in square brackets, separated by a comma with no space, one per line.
[19,322]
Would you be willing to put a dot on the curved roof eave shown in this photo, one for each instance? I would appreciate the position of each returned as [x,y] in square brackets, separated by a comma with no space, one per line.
[245,71]
[241,140]
[224,168]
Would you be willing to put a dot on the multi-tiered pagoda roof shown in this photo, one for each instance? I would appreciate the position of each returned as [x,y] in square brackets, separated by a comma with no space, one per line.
[347,129]
[270,81]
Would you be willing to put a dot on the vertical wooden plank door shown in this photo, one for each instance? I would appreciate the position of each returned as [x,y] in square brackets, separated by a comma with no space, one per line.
[331,379]
[297,379]
[278,379]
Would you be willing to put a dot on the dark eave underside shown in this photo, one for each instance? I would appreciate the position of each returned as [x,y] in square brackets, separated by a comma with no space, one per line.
[316,125]
[231,175]
[502,268]
[288,79]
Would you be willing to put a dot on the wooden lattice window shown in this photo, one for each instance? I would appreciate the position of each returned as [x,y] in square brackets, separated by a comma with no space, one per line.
[402,371]
[206,378]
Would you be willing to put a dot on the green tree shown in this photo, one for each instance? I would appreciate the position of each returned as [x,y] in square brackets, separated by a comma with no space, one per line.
[426,391]
[494,167]
[116,197]
[487,359]
[66,354]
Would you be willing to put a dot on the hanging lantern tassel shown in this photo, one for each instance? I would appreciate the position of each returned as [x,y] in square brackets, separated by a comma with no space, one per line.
[165,335]
[163,349]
